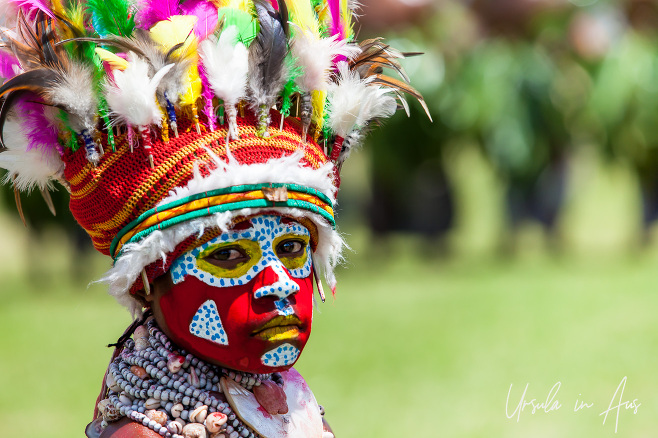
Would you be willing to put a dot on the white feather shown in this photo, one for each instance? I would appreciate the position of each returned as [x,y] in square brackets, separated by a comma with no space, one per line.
[226,61]
[345,99]
[316,56]
[378,103]
[75,92]
[30,168]
[354,102]
[8,14]
[131,95]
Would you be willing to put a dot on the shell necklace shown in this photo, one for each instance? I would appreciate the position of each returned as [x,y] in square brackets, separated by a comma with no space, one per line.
[171,392]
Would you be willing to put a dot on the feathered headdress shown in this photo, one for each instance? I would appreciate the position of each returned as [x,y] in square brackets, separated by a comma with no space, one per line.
[164,118]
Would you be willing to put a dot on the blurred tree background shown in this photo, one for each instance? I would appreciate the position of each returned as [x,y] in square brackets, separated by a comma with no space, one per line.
[511,241]
[540,91]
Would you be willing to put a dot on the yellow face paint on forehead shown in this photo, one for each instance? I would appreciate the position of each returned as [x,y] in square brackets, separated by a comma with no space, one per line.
[259,242]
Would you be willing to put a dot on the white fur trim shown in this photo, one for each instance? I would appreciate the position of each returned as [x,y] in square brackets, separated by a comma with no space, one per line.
[136,256]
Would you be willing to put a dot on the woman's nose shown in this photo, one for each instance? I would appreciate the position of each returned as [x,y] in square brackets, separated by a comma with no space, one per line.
[276,282]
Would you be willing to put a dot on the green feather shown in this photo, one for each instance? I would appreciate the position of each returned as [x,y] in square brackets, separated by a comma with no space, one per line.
[288,90]
[247,27]
[111,17]
[294,71]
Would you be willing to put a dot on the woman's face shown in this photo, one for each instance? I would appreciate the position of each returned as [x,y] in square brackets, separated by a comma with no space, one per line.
[243,300]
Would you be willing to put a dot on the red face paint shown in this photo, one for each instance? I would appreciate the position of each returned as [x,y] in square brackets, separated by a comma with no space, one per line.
[252,327]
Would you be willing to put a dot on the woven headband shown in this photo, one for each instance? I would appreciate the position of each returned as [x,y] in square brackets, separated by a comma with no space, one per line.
[223,200]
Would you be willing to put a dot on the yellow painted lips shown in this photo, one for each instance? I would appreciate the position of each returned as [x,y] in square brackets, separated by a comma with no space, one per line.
[279,329]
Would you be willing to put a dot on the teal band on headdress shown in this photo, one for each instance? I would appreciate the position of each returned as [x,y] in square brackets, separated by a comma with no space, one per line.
[221,208]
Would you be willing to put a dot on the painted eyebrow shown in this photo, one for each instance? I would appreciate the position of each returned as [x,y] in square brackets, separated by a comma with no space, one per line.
[242,226]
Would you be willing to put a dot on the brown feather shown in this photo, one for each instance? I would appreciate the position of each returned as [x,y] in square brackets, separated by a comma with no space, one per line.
[33,80]
[374,57]
[19,204]
[49,201]
[387,81]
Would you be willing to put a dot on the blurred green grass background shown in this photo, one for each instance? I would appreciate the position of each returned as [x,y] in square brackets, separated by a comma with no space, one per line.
[415,343]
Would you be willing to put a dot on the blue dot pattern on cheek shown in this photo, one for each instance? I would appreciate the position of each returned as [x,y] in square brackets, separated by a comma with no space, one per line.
[283,355]
[264,230]
[207,324]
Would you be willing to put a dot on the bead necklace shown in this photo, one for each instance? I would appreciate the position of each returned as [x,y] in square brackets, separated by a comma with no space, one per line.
[173,393]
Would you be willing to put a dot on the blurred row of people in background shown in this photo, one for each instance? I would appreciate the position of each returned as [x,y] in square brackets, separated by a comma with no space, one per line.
[528,82]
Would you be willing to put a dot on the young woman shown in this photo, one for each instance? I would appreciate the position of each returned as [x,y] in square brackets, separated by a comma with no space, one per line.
[201,143]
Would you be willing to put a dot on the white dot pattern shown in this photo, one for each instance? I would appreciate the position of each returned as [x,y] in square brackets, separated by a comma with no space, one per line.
[283,355]
[265,229]
[207,324]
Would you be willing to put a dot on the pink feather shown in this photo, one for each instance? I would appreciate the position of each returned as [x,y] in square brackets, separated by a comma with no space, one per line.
[275,4]
[31,7]
[208,95]
[336,28]
[41,132]
[153,11]
[8,65]
[206,12]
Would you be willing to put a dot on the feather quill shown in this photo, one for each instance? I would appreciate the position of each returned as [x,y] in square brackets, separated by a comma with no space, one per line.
[207,94]
[152,11]
[226,60]
[267,69]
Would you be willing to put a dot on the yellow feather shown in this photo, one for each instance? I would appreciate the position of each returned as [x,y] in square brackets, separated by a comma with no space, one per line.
[116,62]
[57,7]
[324,15]
[194,88]
[318,98]
[177,29]
[73,15]
[346,18]
[301,13]
[243,5]
[180,29]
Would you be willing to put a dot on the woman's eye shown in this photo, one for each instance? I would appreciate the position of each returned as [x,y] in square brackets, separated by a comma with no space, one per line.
[226,254]
[227,257]
[290,248]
